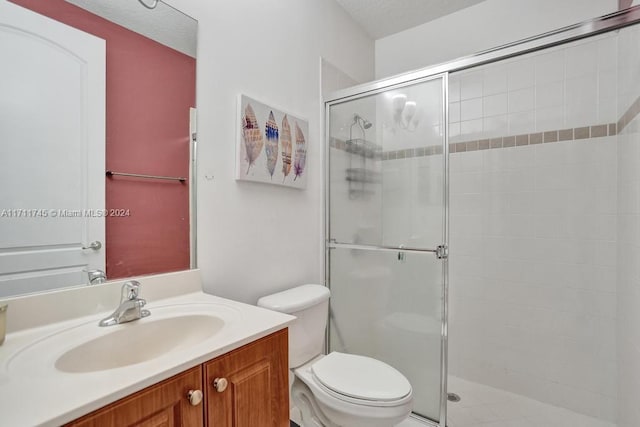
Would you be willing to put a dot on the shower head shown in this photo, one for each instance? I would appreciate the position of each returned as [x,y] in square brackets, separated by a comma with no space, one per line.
[365,123]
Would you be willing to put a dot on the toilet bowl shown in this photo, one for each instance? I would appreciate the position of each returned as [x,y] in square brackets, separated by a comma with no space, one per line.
[355,391]
[338,389]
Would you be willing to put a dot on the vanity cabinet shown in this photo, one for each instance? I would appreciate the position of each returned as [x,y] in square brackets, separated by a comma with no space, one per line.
[247,387]
[162,405]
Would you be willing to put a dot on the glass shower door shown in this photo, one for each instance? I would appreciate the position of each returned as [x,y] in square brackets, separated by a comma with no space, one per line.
[387,232]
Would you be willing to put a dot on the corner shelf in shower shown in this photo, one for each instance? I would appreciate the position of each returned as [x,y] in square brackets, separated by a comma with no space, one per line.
[359,174]
[363,148]
[362,175]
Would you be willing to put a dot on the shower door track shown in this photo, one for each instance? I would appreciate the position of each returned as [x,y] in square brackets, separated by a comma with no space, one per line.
[585,29]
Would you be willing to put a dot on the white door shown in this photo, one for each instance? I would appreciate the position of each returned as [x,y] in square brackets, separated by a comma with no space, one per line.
[52,157]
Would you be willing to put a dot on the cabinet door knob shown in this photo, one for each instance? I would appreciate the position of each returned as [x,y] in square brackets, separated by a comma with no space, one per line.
[220,384]
[194,397]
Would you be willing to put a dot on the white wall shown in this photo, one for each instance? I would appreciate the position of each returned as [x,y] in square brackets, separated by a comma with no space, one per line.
[255,239]
[333,78]
[628,326]
[488,24]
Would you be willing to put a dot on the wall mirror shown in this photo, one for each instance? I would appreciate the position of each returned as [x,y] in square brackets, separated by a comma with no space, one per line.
[97,129]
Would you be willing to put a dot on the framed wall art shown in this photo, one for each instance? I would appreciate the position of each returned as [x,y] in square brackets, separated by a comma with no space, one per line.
[271,145]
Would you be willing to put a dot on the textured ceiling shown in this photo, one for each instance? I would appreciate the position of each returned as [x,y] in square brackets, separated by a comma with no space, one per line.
[163,24]
[381,18]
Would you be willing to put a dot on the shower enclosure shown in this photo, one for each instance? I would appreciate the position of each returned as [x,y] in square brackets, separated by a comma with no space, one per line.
[387,227]
[531,314]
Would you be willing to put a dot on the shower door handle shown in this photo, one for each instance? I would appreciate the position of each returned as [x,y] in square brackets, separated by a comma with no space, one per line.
[441,251]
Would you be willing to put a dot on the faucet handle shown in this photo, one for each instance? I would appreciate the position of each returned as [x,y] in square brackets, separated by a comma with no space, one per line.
[130,290]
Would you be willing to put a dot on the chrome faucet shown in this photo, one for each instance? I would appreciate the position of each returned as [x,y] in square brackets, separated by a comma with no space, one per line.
[130,306]
[96,277]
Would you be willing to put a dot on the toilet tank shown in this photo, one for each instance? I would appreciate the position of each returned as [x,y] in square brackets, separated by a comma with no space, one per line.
[310,304]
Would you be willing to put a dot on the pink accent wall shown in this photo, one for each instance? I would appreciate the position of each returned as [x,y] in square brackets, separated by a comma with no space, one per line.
[150,89]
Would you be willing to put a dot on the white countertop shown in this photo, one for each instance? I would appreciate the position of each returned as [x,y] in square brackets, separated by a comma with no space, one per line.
[34,393]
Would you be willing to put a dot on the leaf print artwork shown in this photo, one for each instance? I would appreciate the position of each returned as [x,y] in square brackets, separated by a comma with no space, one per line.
[252,136]
[271,146]
[301,153]
[286,147]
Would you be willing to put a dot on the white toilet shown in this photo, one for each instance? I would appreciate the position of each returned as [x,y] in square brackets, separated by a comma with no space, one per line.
[337,389]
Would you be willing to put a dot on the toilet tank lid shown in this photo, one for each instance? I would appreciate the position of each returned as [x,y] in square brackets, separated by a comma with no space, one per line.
[295,299]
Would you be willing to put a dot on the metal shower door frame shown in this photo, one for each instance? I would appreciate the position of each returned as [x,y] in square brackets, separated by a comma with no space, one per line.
[441,251]
[586,29]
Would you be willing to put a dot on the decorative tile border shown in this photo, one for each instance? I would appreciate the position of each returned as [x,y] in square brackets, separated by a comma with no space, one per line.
[431,150]
[562,135]
[629,115]
[572,134]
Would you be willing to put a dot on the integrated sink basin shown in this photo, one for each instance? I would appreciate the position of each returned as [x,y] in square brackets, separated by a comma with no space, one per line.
[137,342]
[86,348]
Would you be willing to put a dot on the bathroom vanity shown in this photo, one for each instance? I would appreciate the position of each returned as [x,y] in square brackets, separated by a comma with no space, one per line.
[196,360]
[245,387]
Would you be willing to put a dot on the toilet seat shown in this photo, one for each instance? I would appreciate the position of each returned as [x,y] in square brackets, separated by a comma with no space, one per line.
[338,409]
[360,380]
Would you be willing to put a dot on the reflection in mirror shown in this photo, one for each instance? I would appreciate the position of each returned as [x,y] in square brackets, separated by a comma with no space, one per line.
[92,87]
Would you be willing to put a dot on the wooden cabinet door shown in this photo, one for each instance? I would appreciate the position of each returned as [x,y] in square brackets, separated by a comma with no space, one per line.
[162,405]
[257,394]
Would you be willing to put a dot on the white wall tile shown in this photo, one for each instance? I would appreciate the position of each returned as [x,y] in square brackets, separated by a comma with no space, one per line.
[579,113]
[454,112]
[471,129]
[608,53]
[550,118]
[607,84]
[471,85]
[495,126]
[521,74]
[495,79]
[581,59]
[608,110]
[549,94]
[521,100]
[583,88]
[495,104]
[454,89]
[549,67]
[550,323]
[628,230]
[454,132]
[542,289]
[471,162]
[465,183]
[471,109]
[522,122]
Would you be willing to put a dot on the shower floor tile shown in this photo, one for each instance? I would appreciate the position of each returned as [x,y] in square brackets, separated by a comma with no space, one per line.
[483,406]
